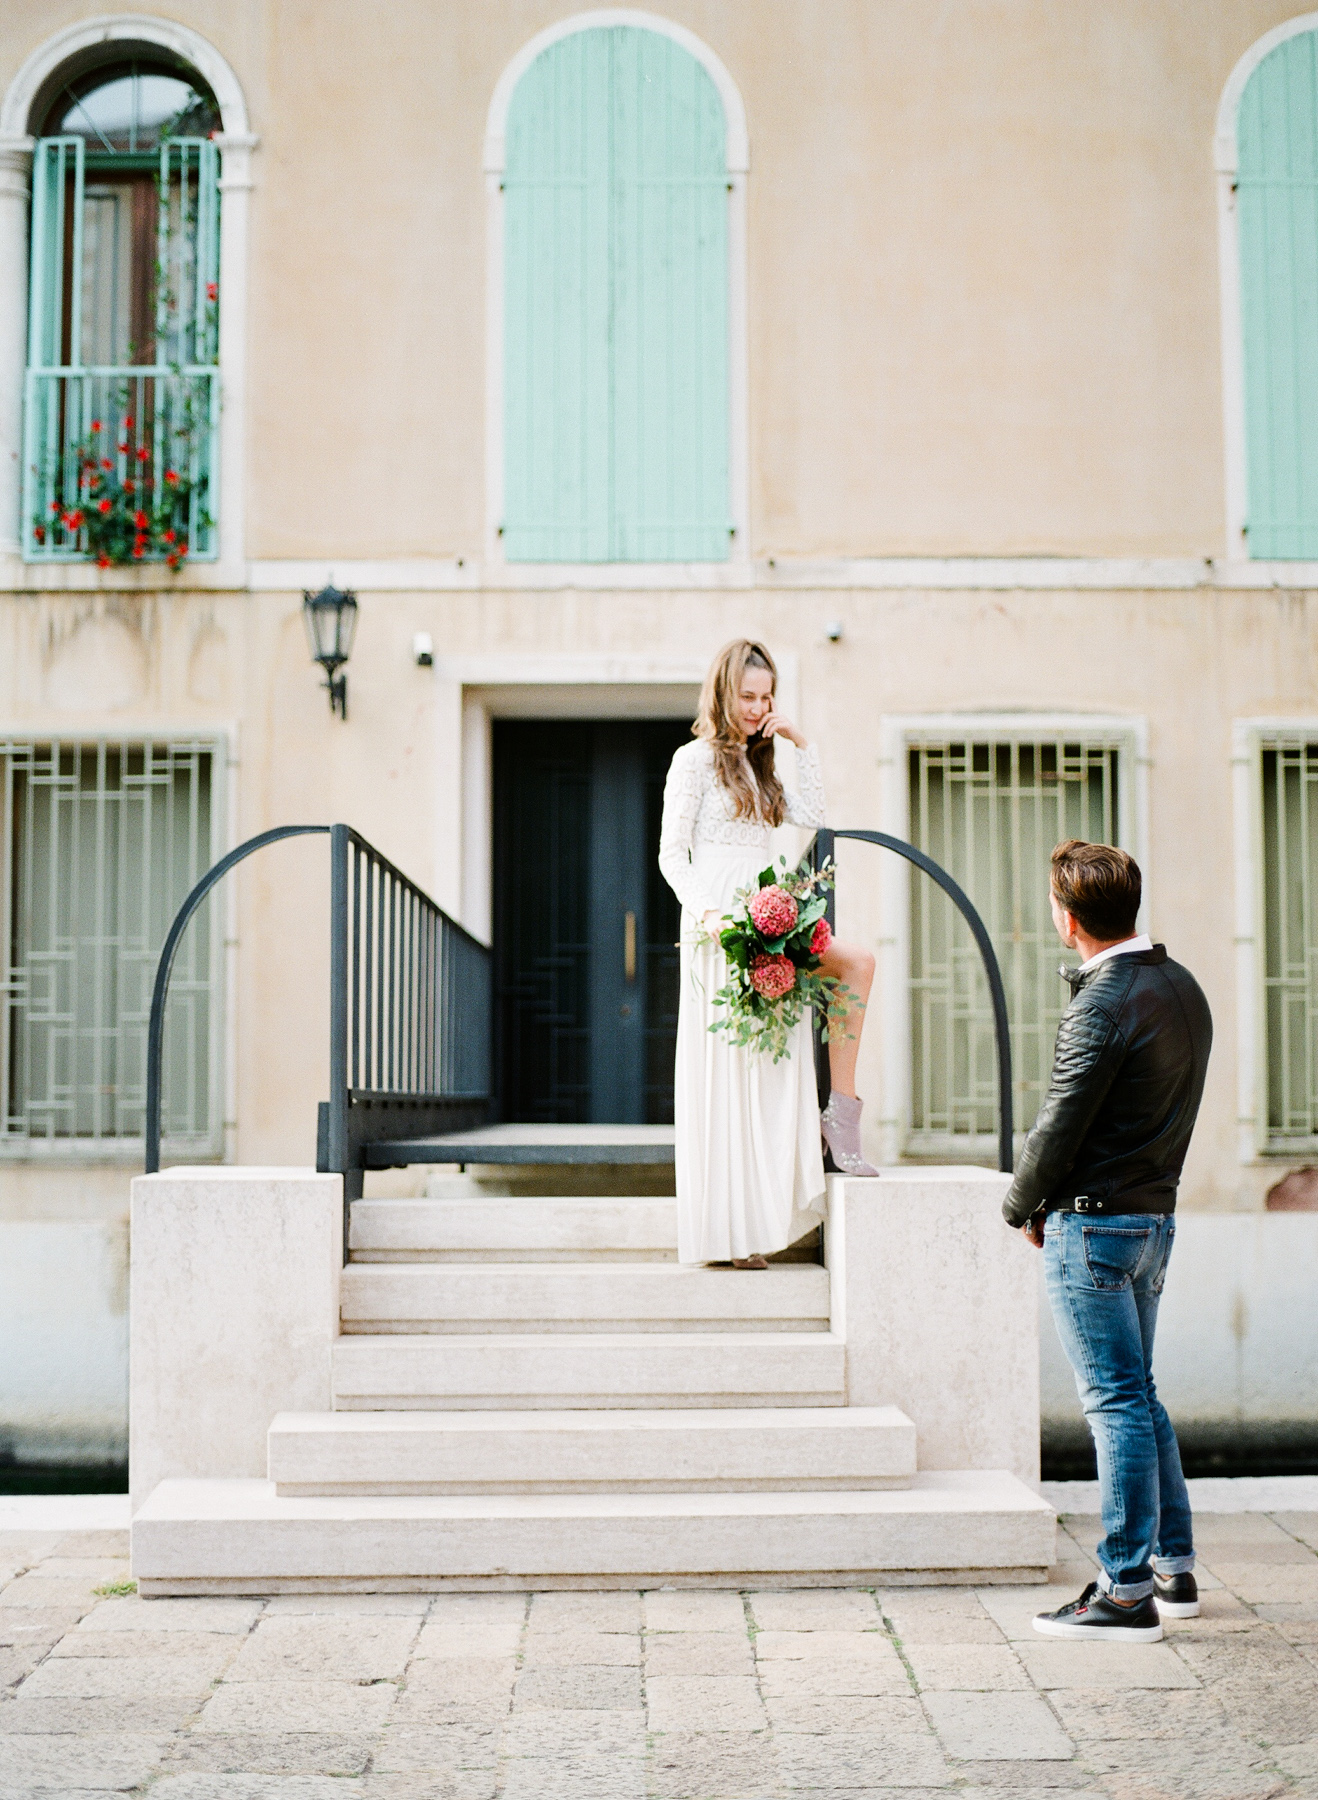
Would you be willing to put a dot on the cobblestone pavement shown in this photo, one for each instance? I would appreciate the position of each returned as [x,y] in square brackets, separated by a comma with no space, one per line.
[668,1695]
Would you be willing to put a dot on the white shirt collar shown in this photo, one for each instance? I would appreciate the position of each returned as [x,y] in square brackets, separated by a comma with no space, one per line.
[1128,947]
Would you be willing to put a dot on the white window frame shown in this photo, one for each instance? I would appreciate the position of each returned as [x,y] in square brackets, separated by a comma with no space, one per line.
[221,741]
[1249,739]
[1226,162]
[733,572]
[898,734]
[236,144]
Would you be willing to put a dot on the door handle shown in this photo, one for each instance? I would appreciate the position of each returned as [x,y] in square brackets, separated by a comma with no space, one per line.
[629,946]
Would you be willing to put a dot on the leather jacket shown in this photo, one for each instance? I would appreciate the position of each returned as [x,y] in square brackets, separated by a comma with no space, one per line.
[1128,1076]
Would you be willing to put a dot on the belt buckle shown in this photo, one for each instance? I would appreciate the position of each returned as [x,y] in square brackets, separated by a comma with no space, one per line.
[1084,1204]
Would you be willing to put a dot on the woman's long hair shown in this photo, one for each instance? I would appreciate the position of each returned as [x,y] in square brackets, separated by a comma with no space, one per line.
[761,798]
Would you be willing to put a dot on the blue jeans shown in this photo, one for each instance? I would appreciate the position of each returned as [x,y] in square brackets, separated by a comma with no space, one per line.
[1104,1281]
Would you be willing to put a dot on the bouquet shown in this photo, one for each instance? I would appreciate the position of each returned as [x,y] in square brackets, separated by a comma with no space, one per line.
[774,941]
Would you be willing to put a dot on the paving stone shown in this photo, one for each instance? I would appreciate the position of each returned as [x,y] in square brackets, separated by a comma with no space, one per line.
[48,1590]
[833,1675]
[100,1760]
[205,1786]
[672,1609]
[20,1625]
[1013,1609]
[583,1688]
[479,1609]
[119,1677]
[580,1778]
[453,1784]
[137,1714]
[449,1635]
[977,1667]
[437,1751]
[1222,1784]
[1278,1712]
[1299,1761]
[367,1648]
[858,1759]
[132,1613]
[796,1646]
[348,1606]
[1251,1582]
[726,1763]
[1288,1611]
[930,1603]
[585,1611]
[273,1752]
[565,1649]
[719,1702]
[89,1569]
[943,1628]
[1300,1525]
[814,1609]
[699,1653]
[297,1706]
[850,1712]
[1059,1664]
[215,1647]
[463,1679]
[1255,1655]
[93,1543]
[1110,1713]
[562,1731]
[1011,1726]
[1006,1779]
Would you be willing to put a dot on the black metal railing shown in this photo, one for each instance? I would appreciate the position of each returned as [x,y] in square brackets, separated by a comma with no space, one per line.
[409,1009]
[821,851]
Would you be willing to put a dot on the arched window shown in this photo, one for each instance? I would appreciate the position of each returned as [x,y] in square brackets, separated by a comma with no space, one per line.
[122,397]
[615,316]
[1277,211]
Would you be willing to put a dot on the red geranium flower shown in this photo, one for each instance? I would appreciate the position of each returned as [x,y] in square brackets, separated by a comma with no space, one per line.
[103,506]
[212,290]
[102,562]
[128,422]
[139,550]
[128,487]
[142,453]
[74,519]
[123,448]
[106,463]
[39,533]
[141,521]
[96,424]
[171,476]
[55,505]
[170,536]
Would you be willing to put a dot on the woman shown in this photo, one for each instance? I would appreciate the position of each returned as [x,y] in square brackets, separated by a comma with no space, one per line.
[748,1150]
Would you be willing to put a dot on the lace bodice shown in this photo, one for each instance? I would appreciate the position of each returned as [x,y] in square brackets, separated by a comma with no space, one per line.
[698,810]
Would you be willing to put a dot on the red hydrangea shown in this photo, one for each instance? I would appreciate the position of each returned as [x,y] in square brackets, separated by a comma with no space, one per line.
[821,937]
[774,912]
[773,976]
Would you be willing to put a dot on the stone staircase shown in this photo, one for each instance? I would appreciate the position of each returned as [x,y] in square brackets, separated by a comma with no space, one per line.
[534,1392]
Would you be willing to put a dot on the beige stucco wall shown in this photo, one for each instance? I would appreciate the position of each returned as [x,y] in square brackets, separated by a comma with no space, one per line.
[983,306]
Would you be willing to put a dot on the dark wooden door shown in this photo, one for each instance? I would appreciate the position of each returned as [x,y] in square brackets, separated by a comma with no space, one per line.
[585,927]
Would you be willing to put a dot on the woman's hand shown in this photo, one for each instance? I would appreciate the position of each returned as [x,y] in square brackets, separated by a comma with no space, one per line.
[777,724]
[711,921]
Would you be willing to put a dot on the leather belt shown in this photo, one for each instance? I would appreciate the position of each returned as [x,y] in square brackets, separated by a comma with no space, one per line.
[1122,1206]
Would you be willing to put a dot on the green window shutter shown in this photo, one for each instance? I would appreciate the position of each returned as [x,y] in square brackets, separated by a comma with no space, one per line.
[616,380]
[556,307]
[187,251]
[1277,198]
[58,166]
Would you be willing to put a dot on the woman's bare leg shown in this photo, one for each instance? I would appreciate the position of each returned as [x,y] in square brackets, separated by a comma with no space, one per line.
[854,968]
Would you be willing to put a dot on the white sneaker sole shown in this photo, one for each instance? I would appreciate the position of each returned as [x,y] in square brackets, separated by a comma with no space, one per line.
[1177,1609]
[1099,1634]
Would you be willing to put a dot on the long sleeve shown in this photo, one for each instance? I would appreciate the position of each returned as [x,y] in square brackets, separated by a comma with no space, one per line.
[806,805]
[1090,1051]
[688,777]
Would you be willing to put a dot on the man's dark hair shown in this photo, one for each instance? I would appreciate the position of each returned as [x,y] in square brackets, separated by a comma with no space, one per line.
[1099,886]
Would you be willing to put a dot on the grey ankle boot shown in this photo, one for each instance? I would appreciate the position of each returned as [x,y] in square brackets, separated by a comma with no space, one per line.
[840,1124]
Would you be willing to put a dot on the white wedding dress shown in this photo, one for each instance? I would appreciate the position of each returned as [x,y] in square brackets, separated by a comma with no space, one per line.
[748,1152]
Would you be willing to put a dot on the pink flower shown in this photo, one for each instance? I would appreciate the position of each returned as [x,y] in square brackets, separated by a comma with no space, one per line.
[821,937]
[773,976]
[773,911]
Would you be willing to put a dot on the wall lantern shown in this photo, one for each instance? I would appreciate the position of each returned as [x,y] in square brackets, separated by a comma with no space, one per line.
[331,618]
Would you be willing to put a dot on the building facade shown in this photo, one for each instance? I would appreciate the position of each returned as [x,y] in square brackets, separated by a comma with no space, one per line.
[969,358]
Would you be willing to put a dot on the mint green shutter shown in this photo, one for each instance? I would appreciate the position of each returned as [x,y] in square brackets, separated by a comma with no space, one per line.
[616,387]
[57,163]
[556,307]
[1277,198]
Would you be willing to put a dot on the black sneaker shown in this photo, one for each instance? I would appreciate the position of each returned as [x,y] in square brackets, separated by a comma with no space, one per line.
[1102,1621]
[1177,1596]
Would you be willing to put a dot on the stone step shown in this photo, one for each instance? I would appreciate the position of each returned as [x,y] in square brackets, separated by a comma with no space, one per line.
[497,1228]
[612,1297]
[240,1537]
[510,1372]
[676,1451]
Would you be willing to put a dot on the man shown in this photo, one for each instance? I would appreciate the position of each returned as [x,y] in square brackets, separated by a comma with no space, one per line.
[1096,1191]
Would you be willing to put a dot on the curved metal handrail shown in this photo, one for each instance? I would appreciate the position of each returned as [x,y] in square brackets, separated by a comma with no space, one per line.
[825,840]
[156,1027]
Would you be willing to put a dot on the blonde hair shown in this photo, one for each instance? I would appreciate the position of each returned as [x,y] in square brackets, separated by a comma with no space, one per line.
[716,725]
